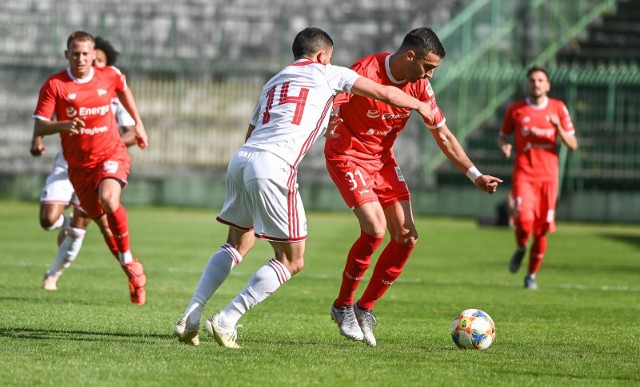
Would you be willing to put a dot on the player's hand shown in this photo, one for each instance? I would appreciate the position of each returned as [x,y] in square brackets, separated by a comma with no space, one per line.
[75,126]
[506,150]
[37,146]
[141,136]
[334,122]
[427,114]
[487,183]
[555,120]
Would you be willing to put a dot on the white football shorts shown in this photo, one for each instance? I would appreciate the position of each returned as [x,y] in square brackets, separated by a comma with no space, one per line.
[58,188]
[262,193]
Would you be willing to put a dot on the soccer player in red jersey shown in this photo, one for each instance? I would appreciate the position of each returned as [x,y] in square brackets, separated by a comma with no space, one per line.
[81,98]
[536,123]
[263,200]
[360,159]
[58,191]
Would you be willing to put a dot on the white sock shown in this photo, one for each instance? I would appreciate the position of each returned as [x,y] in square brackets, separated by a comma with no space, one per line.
[214,274]
[262,284]
[125,257]
[67,251]
[58,223]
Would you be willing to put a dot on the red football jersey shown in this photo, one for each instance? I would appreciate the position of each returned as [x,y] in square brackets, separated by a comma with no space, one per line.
[66,97]
[370,126]
[535,137]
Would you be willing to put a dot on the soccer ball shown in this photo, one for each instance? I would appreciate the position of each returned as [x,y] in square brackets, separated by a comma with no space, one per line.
[473,329]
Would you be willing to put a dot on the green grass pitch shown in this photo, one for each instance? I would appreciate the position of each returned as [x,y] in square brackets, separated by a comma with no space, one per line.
[581,328]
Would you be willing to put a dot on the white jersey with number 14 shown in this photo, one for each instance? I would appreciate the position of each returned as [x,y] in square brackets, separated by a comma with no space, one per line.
[294,108]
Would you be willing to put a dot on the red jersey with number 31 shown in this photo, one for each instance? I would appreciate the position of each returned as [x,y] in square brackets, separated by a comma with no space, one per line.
[370,126]
[535,137]
[90,99]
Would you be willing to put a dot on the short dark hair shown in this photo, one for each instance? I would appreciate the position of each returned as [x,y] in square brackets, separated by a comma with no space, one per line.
[535,68]
[109,51]
[423,40]
[309,41]
[81,36]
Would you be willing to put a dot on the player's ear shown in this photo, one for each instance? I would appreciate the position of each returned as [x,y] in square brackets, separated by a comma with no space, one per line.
[410,55]
[66,54]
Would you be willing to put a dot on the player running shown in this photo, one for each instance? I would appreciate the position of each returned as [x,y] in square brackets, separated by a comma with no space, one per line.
[81,98]
[537,123]
[362,164]
[58,191]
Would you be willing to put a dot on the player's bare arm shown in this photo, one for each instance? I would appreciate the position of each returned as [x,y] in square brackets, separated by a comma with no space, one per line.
[129,103]
[449,145]
[391,95]
[570,140]
[45,127]
[250,130]
[505,146]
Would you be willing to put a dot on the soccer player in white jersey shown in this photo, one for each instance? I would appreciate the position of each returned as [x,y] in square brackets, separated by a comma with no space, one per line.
[262,191]
[58,192]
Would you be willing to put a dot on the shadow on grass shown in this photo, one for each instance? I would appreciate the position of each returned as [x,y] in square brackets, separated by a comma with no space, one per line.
[78,335]
[633,240]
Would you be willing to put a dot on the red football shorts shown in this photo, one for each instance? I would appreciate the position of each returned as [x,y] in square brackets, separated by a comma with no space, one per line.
[364,181]
[86,181]
[535,201]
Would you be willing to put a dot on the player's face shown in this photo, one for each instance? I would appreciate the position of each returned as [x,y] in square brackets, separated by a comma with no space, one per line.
[422,67]
[101,59]
[537,84]
[80,55]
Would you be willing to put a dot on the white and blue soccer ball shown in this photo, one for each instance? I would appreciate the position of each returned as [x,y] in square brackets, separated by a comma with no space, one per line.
[473,329]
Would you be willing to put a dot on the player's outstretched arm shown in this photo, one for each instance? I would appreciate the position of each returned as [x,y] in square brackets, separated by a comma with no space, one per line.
[449,145]
[391,95]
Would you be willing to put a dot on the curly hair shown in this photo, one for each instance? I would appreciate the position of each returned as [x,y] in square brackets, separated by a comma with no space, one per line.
[109,51]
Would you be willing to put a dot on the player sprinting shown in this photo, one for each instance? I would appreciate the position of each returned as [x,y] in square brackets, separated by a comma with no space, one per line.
[58,191]
[362,164]
[262,191]
[536,123]
[81,98]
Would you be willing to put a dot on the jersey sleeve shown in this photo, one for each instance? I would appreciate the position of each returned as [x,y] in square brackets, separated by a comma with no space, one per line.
[341,78]
[46,106]
[429,97]
[120,79]
[508,124]
[565,119]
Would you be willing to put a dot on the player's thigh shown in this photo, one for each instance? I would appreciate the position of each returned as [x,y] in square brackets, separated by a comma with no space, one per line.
[278,212]
[389,184]
[57,188]
[237,209]
[85,182]
[525,197]
[354,180]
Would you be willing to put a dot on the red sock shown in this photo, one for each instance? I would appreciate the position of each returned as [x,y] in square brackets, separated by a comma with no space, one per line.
[388,269]
[358,262]
[111,244]
[120,228]
[538,248]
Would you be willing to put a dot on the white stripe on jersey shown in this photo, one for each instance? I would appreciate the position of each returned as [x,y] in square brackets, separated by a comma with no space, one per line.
[293,110]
